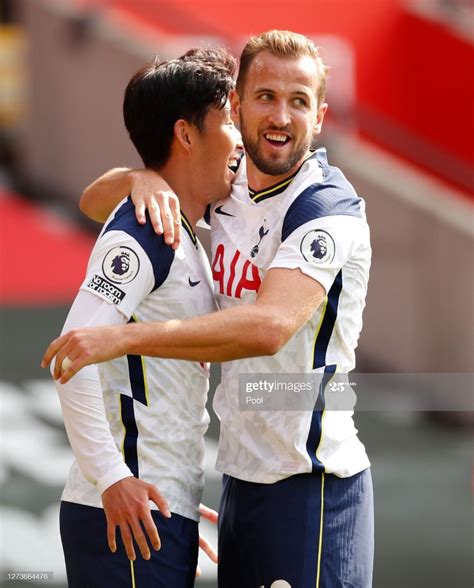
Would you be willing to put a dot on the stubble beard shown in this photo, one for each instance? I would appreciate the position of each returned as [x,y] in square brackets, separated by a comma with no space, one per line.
[263,163]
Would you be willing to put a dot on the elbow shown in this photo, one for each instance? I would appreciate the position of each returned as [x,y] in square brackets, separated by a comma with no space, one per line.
[83,202]
[84,206]
[272,336]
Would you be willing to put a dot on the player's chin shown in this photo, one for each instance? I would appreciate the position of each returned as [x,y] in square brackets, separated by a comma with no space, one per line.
[229,178]
[222,191]
[227,185]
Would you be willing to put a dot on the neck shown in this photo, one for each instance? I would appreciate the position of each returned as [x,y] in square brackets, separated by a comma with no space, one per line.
[258,180]
[191,209]
[179,181]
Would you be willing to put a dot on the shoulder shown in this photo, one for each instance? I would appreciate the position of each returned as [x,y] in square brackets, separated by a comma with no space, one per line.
[160,254]
[331,196]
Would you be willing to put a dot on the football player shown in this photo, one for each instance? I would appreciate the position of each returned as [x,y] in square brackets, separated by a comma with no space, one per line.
[136,424]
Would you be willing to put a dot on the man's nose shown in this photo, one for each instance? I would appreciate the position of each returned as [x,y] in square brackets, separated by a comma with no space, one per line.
[280,115]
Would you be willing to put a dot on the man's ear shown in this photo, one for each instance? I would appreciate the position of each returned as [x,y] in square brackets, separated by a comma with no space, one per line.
[234,106]
[183,133]
[318,123]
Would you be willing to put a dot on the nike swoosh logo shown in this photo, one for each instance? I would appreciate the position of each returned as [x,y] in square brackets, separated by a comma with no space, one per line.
[192,284]
[220,211]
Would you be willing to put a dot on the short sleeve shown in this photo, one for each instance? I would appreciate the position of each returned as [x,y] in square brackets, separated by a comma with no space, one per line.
[128,262]
[319,248]
[321,227]
[119,272]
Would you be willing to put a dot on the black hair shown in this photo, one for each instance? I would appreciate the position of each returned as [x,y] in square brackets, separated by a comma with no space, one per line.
[161,93]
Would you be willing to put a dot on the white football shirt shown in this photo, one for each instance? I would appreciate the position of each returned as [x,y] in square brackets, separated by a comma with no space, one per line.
[315,222]
[155,408]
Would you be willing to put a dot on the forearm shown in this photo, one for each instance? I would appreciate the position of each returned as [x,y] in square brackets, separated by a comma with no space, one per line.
[249,330]
[246,331]
[100,198]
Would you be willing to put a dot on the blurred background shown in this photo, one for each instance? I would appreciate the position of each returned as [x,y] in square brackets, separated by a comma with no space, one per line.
[400,126]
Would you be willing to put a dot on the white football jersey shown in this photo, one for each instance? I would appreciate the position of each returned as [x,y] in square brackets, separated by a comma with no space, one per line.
[155,407]
[313,221]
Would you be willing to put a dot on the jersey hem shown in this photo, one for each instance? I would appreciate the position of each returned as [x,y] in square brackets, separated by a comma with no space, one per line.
[273,478]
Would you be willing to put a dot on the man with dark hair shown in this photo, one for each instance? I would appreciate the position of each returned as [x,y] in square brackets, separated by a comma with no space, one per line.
[290,260]
[138,423]
[184,92]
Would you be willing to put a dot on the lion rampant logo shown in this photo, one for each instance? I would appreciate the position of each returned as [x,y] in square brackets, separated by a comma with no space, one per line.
[121,263]
[319,247]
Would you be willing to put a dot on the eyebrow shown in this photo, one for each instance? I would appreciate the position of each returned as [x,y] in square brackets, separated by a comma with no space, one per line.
[304,93]
[263,89]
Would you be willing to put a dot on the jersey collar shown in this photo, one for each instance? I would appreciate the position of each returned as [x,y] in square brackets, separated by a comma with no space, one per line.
[189,229]
[262,195]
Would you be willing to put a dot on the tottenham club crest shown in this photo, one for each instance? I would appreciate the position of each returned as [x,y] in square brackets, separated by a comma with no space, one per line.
[262,232]
[318,247]
[121,265]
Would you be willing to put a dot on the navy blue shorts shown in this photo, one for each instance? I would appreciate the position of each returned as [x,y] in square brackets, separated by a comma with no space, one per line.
[306,531]
[91,564]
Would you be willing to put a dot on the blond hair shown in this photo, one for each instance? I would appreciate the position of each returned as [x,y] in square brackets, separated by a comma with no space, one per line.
[285,44]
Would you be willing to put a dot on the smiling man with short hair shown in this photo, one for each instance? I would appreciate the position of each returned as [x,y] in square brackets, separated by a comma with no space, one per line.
[136,424]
